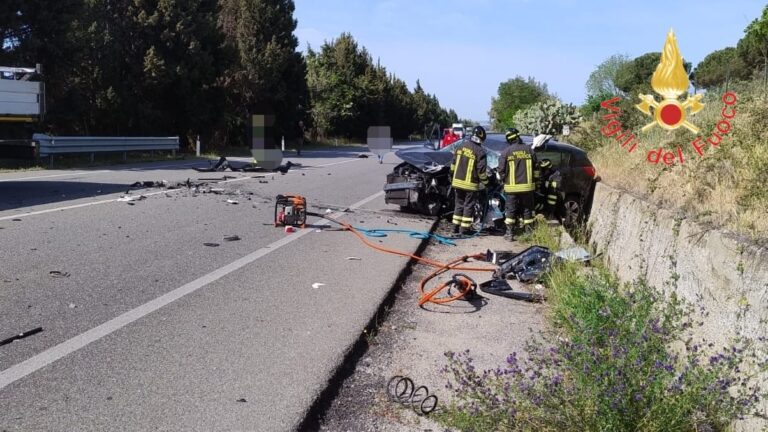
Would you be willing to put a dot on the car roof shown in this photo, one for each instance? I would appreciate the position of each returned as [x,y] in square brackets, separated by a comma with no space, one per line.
[551,144]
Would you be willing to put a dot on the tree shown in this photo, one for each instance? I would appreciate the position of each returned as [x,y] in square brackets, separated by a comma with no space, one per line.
[547,117]
[753,47]
[602,81]
[514,95]
[634,77]
[267,74]
[718,67]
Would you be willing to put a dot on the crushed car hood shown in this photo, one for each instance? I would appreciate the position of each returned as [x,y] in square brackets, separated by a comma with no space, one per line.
[425,159]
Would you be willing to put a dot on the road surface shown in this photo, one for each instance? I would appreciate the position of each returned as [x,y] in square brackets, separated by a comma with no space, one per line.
[146,328]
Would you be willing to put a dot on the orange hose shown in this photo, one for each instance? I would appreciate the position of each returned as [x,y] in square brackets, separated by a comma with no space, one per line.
[466,285]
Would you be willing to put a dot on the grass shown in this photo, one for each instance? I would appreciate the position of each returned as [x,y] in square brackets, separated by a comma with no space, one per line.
[724,188]
[620,357]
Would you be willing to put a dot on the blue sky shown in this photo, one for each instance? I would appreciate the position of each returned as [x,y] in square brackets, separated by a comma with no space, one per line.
[556,41]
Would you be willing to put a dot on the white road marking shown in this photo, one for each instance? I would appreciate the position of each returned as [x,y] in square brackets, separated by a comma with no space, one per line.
[80,173]
[88,204]
[39,361]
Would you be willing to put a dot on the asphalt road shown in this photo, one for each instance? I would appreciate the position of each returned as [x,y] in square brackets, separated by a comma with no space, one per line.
[146,328]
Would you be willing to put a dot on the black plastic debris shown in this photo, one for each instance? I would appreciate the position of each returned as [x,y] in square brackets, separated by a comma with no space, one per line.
[527,266]
[58,274]
[149,184]
[501,287]
[211,244]
[362,156]
[242,400]
[232,238]
[20,336]
[16,220]
[283,169]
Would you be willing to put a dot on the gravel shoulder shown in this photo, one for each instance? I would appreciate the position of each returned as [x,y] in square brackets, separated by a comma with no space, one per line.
[411,341]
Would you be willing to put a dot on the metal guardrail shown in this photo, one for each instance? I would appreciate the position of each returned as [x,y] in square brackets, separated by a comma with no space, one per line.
[48,146]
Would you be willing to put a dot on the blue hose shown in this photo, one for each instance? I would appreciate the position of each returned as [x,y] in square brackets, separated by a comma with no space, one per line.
[420,235]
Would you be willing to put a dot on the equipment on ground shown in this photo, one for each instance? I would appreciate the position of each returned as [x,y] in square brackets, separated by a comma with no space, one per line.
[290,210]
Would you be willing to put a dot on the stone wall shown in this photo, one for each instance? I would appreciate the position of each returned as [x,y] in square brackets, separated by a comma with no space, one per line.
[709,268]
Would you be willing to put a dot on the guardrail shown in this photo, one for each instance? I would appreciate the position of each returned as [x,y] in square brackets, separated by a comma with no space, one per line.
[48,146]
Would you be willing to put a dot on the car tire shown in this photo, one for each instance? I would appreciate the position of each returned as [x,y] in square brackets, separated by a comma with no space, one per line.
[573,211]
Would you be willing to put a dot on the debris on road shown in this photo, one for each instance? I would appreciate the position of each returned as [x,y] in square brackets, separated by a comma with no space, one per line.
[354,258]
[328,211]
[131,198]
[283,169]
[72,306]
[16,220]
[20,336]
[232,238]
[217,191]
[58,274]
[242,400]
[362,156]
[578,254]
[403,390]
[211,244]
[317,285]
[289,229]
[231,201]
[149,184]
[263,181]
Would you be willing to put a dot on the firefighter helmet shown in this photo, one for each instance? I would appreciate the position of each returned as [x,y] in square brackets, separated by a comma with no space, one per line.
[478,135]
[512,136]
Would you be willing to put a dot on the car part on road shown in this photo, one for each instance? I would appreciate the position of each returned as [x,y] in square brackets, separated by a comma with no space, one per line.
[317,285]
[231,201]
[501,287]
[527,266]
[232,238]
[20,336]
[402,390]
[211,244]
[290,210]
[58,274]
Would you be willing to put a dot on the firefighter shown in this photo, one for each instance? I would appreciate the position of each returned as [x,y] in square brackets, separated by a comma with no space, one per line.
[540,174]
[469,170]
[516,166]
[551,188]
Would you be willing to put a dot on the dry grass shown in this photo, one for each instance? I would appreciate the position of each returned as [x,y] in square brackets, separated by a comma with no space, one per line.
[727,187]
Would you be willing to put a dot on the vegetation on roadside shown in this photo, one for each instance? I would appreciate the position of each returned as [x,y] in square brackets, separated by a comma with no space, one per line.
[621,358]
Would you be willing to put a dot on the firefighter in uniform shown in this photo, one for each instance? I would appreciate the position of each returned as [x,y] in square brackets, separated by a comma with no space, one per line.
[516,167]
[469,170]
[540,176]
[550,187]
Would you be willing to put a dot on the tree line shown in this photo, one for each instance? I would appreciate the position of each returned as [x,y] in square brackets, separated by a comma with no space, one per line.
[201,67]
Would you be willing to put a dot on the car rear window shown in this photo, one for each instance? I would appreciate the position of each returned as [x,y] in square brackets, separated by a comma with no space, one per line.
[558,159]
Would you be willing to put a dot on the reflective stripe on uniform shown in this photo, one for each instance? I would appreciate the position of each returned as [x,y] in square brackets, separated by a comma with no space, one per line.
[518,187]
[509,221]
[465,185]
[466,224]
[528,221]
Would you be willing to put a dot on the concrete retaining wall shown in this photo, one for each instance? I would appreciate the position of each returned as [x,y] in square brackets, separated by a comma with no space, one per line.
[709,268]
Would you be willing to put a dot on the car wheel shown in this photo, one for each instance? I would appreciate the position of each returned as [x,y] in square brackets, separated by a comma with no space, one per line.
[572,211]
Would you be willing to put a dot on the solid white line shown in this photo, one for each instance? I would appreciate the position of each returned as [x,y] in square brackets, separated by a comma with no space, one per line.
[39,361]
[88,204]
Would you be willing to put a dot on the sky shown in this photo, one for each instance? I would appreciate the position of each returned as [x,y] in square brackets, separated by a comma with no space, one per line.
[462,50]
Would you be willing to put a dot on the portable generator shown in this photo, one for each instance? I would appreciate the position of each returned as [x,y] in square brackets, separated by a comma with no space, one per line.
[290,210]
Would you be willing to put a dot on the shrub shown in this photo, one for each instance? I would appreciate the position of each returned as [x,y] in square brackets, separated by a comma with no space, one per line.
[609,367]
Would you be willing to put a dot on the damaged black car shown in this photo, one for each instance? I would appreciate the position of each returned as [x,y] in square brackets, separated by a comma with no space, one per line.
[422,183]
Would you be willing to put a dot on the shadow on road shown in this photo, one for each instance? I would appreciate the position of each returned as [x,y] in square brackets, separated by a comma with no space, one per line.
[25,193]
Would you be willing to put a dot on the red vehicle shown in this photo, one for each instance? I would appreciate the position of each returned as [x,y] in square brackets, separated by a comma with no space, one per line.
[449,137]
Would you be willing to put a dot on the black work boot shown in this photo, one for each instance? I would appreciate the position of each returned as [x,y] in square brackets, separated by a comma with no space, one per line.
[510,234]
[456,229]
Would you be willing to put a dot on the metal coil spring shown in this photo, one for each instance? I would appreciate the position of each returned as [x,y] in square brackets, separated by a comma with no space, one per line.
[401,389]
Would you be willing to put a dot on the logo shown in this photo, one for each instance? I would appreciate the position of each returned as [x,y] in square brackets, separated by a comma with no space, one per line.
[670,81]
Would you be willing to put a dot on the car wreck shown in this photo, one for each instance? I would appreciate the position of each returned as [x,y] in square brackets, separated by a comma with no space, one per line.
[422,183]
